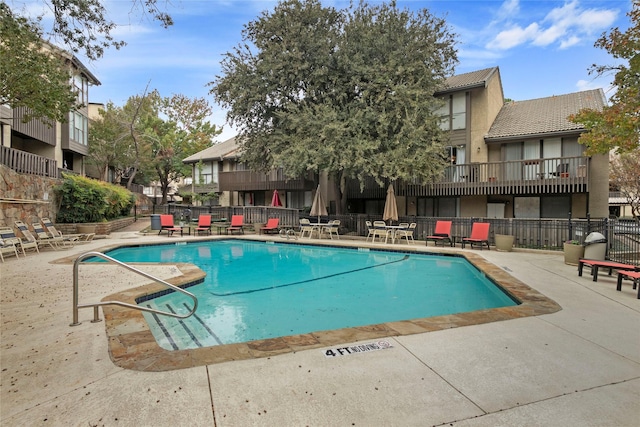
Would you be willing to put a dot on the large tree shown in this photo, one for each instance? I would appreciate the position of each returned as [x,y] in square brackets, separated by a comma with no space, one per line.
[348,92]
[180,130]
[625,178]
[30,75]
[617,126]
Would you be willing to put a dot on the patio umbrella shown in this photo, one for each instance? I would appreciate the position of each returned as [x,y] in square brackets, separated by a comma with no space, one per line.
[275,199]
[390,206]
[318,207]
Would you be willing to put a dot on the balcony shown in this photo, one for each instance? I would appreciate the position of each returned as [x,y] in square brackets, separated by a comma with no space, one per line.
[257,181]
[534,176]
[28,163]
[213,187]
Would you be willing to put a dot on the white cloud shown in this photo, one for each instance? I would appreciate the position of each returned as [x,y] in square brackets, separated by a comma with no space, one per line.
[513,37]
[567,26]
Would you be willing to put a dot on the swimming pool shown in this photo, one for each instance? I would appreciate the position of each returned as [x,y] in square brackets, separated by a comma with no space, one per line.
[260,290]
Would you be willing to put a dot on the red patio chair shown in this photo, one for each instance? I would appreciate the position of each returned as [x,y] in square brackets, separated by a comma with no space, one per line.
[442,233]
[204,224]
[237,221]
[631,275]
[272,226]
[166,224]
[479,235]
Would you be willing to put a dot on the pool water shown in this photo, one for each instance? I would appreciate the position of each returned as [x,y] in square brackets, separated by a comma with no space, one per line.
[258,290]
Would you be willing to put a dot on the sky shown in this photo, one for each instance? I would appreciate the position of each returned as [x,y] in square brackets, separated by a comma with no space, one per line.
[543,48]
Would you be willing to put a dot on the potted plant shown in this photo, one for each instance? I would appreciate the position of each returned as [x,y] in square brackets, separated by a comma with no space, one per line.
[573,251]
[504,242]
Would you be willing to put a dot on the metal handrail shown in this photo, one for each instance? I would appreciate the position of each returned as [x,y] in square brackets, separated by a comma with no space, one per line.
[96,317]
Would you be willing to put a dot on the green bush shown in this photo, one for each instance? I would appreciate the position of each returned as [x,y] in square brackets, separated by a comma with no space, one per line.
[84,199]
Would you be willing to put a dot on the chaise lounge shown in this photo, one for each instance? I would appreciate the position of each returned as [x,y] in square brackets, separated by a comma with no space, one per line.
[479,235]
[442,233]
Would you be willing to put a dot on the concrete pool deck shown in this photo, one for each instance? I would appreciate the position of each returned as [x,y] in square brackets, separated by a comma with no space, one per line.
[579,366]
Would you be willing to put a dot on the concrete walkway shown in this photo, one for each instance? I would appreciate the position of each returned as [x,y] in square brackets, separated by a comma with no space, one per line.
[576,367]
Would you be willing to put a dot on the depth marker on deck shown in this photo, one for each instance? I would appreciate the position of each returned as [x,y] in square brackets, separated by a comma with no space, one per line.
[360,348]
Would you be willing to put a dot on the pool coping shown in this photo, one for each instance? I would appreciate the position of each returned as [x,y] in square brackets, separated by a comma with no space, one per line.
[133,346]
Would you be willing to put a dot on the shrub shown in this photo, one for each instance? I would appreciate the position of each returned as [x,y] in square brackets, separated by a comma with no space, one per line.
[84,199]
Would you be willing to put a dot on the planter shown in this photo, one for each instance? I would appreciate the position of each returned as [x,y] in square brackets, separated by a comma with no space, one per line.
[504,242]
[573,253]
[85,229]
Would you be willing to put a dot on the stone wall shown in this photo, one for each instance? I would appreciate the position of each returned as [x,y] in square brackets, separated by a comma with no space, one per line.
[26,198]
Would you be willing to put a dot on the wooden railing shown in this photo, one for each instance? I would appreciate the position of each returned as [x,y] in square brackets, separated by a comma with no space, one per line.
[255,181]
[544,176]
[28,163]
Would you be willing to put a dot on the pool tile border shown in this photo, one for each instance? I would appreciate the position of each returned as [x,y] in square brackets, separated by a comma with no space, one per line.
[132,345]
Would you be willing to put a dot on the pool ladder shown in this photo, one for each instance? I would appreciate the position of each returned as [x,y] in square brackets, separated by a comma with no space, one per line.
[96,316]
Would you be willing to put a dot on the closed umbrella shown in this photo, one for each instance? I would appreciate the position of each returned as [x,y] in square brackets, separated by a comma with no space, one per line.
[318,207]
[390,206]
[275,199]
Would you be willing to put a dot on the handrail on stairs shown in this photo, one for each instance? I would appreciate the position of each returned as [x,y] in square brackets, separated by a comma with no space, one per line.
[96,316]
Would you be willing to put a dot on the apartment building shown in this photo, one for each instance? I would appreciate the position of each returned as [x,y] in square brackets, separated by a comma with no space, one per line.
[44,149]
[519,159]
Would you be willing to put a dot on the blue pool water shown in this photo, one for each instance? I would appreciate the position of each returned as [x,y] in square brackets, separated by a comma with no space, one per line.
[258,290]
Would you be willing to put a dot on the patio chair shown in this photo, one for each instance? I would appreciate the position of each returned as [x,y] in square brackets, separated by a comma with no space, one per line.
[272,226]
[331,229]
[46,239]
[27,236]
[237,222]
[9,237]
[204,224]
[442,233]
[479,235]
[67,239]
[634,276]
[369,230]
[7,248]
[306,227]
[407,232]
[166,224]
[379,229]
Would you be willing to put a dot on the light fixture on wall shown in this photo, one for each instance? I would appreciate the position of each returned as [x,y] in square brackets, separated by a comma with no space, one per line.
[478,149]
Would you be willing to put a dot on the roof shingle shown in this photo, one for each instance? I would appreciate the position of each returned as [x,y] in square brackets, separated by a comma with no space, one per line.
[543,115]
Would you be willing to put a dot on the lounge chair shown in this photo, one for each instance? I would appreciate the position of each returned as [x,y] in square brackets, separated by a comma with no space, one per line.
[237,222]
[272,226]
[67,239]
[46,239]
[407,232]
[479,235]
[204,224]
[331,229]
[306,227]
[595,265]
[77,237]
[7,248]
[9,237]
[27,236]
[166,224]
[442,233]
[631,275]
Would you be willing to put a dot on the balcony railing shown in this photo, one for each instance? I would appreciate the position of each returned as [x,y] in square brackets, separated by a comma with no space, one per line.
[257,181]
[544,176]
[28,163]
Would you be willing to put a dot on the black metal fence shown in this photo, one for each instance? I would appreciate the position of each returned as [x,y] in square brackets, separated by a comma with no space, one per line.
[622,236]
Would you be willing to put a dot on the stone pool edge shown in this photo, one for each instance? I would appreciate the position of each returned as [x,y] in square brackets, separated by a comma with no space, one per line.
[132,345]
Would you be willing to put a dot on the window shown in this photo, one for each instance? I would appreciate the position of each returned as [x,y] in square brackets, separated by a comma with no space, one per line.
[454,112]
[81,86]
[458,111]
[78,128]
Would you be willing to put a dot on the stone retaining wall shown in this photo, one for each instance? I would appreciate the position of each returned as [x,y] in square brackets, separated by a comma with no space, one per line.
[28,198]
[101,227]
[25,197]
